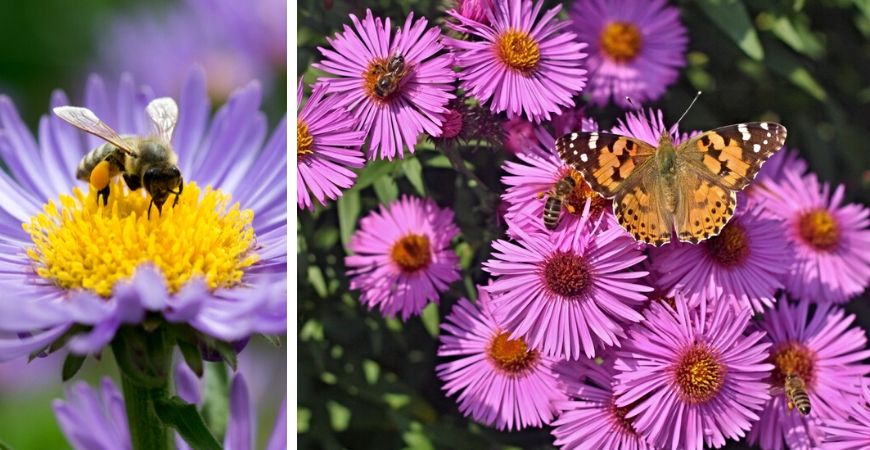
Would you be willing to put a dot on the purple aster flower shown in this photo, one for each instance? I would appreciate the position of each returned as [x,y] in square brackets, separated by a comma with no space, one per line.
[536,174]
[403,258]
[327,146]
[636,48]
[235,42]
[392,117]
[573,120]
[827,352]
[649,127]
[218,267]
[519,135]
[97,420]
[742,265]
[591,418]
[567,292]
[691,377]
[854,433]
[503,381]
[830,240]
[524,63]
[476,10]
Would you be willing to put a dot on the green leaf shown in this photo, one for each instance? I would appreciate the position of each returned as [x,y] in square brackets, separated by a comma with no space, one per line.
[315,277]
[184,417]
[414,173]
[732,18]
[348,212]
[5,446]
[303,419]
[386,189]
[797,36]
[215,404]
[439,162]
[430,319]
[71,366]
[192,356]
[339,415]
[372,171]
[784,63]
[273,340]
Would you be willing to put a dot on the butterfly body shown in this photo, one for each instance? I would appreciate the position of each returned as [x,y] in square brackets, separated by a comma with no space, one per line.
[690,187]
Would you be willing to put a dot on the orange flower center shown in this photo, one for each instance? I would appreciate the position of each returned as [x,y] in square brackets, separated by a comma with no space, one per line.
[567,274]
[511,355]
[576,200]
[699,374]
[304,140]
[793,358]
[731,246]
[412,253]
[518,51]
[819,229]
[619,417]
[621,41]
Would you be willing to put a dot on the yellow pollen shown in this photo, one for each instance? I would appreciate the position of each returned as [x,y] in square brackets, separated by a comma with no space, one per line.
[304,140]
[621,41]
[730,246]
[511,355]
[518,51]
[412,252]
[699,375]
[793,358]
[819,229]
[81,244]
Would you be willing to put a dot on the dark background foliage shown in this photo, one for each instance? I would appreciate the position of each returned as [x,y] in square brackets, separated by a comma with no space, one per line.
[369,382]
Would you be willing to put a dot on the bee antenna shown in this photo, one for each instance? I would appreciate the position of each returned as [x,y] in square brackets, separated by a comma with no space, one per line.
[690,107]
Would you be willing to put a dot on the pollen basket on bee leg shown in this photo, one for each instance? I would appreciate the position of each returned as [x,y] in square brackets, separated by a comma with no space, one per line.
[101,175]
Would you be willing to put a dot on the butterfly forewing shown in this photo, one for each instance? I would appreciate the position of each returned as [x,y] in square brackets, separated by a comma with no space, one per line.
[731,156]
[605,160]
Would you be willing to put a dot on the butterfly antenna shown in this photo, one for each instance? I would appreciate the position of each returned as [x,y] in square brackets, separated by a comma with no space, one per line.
[690,107]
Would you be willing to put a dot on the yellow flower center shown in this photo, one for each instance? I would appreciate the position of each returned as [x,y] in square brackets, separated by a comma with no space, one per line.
[511,355]
[730,246]
[412,253]
[81,244]
[304,140]
[621,41]
[819,229]
[518,51]
[699,374]
[793,358]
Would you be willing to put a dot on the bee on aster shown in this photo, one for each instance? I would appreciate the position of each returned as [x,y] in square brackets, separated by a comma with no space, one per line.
[396,86]
[502,380]
[691,376]
[210,269]
[830,239]
[523,63]
[821,347]
[636,48]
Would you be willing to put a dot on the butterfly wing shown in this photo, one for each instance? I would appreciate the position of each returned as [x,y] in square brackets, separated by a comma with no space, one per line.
[731,156]
[703,208]
[641,210]
[608,162]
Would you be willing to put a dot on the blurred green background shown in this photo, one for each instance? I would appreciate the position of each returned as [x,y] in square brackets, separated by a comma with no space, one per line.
[366,382]
[48,45]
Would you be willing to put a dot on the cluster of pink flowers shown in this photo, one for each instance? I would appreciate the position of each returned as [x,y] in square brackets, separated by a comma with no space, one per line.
[612,343]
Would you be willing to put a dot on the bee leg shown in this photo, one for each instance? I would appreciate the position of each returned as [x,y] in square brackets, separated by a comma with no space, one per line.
[133,182]
[159,208]
[570,208]
[104,193]
[178,193]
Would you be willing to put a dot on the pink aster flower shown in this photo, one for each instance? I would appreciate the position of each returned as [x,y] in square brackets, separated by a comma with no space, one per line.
[573,120]
[649,127]
[636,48]
[403,258]
[503,382]
[830,240]
[854,433]
[567,292]
[476,10]
[326,147]
[524,63]
[519,135]
[826,351]
[394,117]
[785,160]
[691,377]
[742,265]
[536,174]
[591,418]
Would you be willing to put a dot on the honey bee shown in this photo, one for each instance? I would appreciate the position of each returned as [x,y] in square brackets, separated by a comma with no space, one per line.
[389,78]
[143,161]
[796,393]
[555,199]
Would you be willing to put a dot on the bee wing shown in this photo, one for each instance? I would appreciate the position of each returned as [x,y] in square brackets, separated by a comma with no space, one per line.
[164,112]
[85,120]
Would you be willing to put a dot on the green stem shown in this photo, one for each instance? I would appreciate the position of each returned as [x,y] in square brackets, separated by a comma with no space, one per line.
[147,432]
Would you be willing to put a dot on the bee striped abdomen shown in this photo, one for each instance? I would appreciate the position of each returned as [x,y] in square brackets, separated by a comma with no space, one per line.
[552,212]
[89,161]
[796,393]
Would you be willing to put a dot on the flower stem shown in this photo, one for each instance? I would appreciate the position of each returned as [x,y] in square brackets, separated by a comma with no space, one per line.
[147,432]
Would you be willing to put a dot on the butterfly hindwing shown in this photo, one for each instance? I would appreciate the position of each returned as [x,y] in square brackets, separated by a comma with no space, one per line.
[640,210]
[605,160]
[731,156]
[704,209]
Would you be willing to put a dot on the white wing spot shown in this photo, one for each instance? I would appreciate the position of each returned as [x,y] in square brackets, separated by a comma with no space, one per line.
[768,134]
[593,139]
[575,152]
[764,125]
[571,145]
[765,142]
[744,132]
[573,135]
[583,157]
[757,148]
